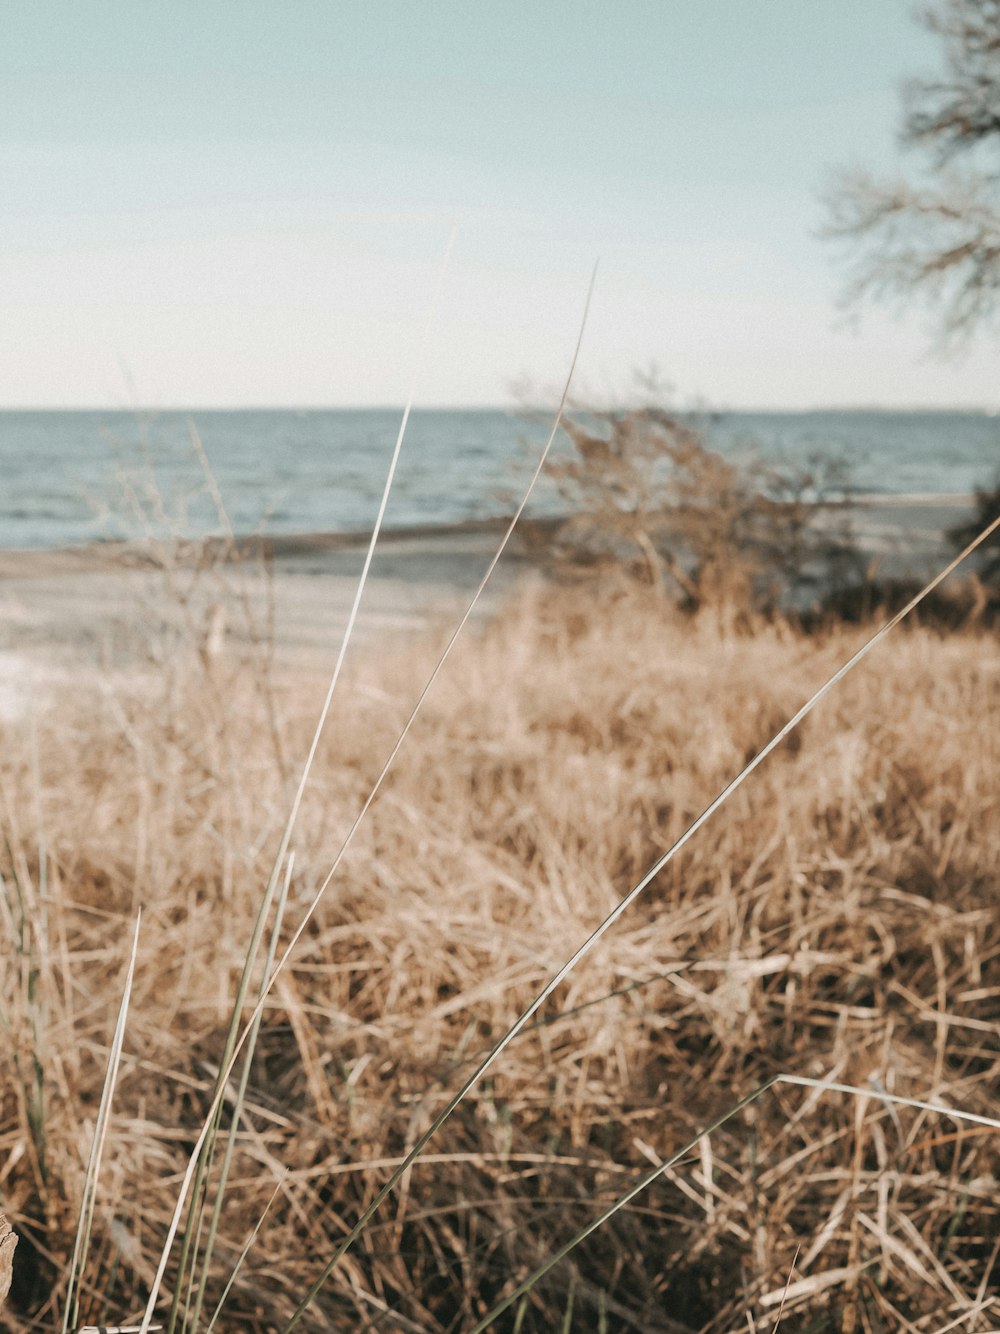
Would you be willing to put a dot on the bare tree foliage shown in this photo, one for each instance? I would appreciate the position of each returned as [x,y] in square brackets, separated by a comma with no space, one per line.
[937,236]
[953,114]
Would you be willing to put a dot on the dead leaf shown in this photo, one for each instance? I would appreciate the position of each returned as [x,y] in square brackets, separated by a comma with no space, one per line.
[8,1244]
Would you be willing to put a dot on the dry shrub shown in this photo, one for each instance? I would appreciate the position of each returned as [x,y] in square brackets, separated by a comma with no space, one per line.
[645,492]
[838,918]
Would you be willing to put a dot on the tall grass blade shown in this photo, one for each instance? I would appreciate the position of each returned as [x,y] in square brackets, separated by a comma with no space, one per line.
[552,1260]
[191,1237]
[81,1245]
[376,787]
[237,1109]
[893,1099]
[310,911]
[626,903]
[242,1257]
[292,819]
[324,713]
[784,1293]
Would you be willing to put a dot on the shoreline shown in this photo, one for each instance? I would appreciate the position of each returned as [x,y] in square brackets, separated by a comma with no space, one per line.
[75,614]
[877,513]
[121,553]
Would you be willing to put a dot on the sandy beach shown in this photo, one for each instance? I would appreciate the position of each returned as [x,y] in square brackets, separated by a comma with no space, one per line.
[101,606]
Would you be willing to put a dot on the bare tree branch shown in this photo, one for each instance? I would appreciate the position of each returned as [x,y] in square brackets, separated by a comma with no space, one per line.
[938,239]
[954,114]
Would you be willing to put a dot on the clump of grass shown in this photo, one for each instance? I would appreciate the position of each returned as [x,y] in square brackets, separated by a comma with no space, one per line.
[838,919]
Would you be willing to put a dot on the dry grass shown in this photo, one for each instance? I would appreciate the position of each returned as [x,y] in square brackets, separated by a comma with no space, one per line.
[838,918]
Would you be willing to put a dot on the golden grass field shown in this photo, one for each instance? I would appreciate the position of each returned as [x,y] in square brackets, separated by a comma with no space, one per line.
[838,918]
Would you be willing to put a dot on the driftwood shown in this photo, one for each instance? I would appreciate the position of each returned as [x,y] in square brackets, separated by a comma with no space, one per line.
[8,1244]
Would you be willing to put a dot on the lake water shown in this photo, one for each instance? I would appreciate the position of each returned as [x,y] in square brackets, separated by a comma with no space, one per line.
[73,477]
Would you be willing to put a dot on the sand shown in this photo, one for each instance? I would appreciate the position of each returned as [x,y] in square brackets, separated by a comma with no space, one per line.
[67,614]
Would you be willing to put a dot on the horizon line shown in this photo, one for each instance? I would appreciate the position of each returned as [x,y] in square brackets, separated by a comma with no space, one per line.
[976,409]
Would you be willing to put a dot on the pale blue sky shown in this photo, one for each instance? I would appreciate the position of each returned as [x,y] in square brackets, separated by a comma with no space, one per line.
[247,203]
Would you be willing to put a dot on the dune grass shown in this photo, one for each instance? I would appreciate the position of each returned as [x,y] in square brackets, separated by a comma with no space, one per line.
[837,919]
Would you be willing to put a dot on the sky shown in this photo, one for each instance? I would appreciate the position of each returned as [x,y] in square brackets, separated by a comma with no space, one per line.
[250,204]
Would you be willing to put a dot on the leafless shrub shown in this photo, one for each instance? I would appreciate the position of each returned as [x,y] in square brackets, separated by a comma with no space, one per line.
[645,491]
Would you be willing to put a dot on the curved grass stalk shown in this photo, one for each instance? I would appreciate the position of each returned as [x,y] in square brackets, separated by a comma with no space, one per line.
[893,1099]
[227,1068]
[206,1143]
[81,1245]
[242,1257]
[233,1047]
[625,903]
[324,713]
[826,1086]
[237,1113]
[191,1236]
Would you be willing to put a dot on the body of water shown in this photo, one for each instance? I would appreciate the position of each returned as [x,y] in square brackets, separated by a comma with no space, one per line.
[73,477]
